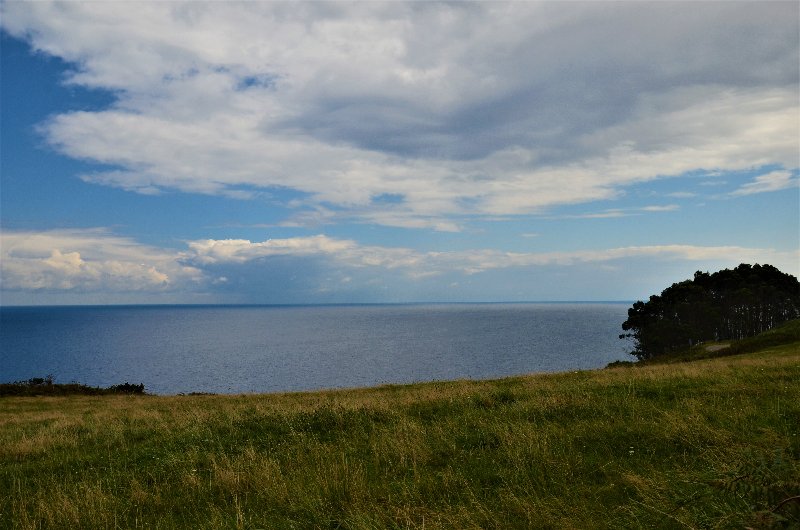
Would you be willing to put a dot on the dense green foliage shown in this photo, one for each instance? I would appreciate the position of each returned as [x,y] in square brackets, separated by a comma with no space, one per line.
[707,444]
[726,305]
[786,333]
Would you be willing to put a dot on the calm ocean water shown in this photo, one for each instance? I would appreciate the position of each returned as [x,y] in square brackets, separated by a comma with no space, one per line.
[233,349]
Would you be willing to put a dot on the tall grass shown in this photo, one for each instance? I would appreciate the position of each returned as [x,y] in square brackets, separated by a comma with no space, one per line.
[712,444]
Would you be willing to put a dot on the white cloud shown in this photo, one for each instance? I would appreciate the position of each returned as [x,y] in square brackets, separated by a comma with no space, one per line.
[89,261]
[95,262]
[417,264]
[615,213]
[773,181]
[241,250]
[661,208]
[607,214]
[475,108]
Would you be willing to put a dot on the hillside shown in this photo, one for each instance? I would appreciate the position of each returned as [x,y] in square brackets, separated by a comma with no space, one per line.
[711,443]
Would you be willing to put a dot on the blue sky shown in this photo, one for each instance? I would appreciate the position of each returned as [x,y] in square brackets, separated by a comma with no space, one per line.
[398,152]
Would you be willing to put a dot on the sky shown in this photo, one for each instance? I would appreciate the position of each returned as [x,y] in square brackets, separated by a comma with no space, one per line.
[366,152]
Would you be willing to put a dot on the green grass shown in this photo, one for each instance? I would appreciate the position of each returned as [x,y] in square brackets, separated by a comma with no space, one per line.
[708,444]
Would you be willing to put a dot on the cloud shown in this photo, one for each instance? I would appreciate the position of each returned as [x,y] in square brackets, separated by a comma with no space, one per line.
[661,208]
[89,264]
[418,264]
[91,260]
[772,181]
[241,250]
[211,252]
[607,214]
[614,213]
[484,109]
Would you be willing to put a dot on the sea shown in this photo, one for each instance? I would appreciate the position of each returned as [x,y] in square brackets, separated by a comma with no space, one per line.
[255,349]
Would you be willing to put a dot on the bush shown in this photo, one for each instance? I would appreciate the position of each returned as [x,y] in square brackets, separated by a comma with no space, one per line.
[45,386]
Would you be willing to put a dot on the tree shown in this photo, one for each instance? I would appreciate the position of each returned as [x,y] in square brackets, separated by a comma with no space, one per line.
[725,305]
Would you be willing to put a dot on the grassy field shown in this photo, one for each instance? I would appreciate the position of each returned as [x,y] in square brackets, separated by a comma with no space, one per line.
[711,443]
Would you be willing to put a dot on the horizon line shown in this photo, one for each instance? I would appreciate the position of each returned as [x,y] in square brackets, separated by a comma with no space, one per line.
[323,304]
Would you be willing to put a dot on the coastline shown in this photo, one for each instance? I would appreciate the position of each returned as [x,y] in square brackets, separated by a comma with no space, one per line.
[593,449]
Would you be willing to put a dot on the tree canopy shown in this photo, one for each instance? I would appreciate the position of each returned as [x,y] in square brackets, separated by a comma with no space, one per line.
[726,305]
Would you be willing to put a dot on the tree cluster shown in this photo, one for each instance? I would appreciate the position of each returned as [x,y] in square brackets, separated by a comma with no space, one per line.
[725,305]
